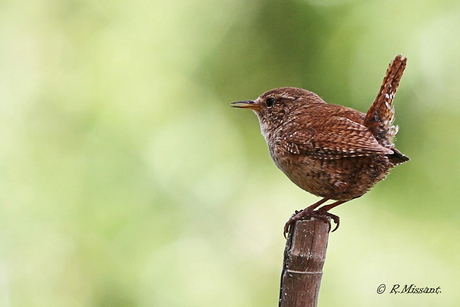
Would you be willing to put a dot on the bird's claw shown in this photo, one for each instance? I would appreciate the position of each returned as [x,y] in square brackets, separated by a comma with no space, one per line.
[308,214]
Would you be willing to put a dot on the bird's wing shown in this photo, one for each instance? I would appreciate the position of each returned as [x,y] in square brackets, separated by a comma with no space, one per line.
[335,138]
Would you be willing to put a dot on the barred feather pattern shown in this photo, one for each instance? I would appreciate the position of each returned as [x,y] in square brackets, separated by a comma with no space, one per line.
[380,117]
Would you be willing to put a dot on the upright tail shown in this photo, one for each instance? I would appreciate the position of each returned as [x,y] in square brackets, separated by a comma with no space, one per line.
[380,117]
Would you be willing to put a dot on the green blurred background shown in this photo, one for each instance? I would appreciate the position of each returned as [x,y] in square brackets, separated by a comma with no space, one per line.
[127,179]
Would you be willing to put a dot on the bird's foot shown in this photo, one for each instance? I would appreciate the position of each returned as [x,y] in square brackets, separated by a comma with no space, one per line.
[325,215]
[307,214]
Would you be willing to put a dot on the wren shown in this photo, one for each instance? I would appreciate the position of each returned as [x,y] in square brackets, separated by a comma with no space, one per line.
[331,151]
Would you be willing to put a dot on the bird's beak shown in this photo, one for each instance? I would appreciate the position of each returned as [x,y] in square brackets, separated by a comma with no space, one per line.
[248,104]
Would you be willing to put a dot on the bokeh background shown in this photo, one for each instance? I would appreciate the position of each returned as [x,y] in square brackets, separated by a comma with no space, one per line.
[127,180]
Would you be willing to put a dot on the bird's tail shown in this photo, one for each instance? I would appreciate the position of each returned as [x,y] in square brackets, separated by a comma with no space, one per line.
[380,117]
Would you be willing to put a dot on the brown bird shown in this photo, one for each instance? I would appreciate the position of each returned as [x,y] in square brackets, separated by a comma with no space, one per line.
[329,150]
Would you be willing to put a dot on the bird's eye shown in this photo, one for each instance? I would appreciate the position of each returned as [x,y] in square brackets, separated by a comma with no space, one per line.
[270,101]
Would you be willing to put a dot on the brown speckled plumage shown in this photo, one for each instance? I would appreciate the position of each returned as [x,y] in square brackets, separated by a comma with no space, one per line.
[329,150]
